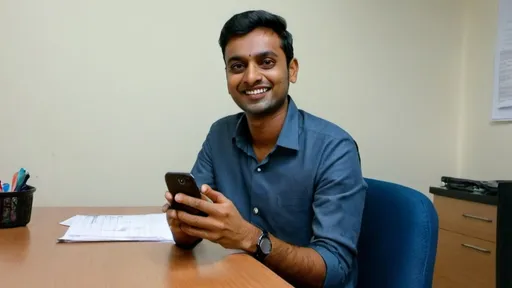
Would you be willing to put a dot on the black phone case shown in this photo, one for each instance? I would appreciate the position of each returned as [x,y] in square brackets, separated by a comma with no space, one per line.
[185,183]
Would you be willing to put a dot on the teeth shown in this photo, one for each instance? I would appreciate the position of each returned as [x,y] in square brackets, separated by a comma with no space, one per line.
[257,91]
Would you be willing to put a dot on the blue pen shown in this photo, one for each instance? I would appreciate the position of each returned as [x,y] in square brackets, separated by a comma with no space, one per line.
[6,187]
[23,182]
[21,176]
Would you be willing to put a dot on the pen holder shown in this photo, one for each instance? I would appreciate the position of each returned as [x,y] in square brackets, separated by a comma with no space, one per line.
[16,207]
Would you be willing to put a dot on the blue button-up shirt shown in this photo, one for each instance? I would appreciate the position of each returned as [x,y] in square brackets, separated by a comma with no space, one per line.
[309,191]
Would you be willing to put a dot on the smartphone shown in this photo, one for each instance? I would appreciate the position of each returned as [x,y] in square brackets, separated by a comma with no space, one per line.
[180,182]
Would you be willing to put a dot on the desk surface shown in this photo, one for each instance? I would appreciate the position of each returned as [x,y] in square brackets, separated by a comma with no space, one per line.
[30,257]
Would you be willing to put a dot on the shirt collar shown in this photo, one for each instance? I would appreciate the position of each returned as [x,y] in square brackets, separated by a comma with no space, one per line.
[289,136]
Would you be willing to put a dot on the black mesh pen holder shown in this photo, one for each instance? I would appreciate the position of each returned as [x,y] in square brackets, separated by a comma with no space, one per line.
[16,207]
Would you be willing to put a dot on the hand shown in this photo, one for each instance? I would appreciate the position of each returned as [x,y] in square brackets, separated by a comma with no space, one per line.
[223,225]
[175,224]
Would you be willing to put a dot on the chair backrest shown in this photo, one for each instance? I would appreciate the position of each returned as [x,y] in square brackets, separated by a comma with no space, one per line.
[398,241]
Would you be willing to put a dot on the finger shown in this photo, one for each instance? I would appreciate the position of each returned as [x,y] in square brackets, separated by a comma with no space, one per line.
[213,195]
[199,204]
[172,219]
[197,221]
[197,232]
[205,198]
[175,223]
[168,196]
[165,207]
[171,214]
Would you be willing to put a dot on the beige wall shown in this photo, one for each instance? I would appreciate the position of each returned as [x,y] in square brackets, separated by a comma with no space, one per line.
[486,150]
[100,98]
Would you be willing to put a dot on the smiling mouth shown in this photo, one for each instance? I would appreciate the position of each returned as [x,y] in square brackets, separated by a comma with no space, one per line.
[256,91]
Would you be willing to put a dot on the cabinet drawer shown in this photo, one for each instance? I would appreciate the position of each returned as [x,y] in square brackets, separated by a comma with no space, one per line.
[464,261]
[469,218]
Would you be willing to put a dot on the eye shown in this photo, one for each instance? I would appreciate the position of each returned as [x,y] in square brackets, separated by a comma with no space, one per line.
[267,63]
[236,67]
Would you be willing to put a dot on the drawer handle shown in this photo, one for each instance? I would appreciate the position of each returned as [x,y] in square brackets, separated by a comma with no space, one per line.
[476,248]
[476,217]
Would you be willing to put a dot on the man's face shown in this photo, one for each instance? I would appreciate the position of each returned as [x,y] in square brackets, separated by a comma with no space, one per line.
[257,73]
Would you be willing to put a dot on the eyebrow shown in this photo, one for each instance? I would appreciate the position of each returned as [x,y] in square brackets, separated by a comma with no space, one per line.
[258,55]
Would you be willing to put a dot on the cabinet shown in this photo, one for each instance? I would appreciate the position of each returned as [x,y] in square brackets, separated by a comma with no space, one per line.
[466,252]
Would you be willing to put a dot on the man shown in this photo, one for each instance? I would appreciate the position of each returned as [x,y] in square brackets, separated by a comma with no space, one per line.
[285,186]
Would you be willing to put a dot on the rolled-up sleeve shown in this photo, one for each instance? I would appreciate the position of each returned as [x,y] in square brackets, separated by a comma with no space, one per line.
[338,204]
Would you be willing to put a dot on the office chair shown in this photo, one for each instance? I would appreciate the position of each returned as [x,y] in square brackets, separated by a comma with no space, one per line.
[398,241]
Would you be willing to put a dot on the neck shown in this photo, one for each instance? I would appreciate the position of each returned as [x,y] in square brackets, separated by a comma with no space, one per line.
[265,130]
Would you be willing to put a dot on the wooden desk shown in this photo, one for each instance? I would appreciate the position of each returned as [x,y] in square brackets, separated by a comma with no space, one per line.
[30,257]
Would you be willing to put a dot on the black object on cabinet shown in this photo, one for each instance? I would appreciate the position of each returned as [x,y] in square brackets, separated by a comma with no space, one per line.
[504,236]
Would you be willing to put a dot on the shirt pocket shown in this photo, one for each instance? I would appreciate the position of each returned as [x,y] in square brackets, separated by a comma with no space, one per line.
[292,191]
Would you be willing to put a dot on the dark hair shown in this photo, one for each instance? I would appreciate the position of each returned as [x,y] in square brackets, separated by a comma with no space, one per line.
[243,23]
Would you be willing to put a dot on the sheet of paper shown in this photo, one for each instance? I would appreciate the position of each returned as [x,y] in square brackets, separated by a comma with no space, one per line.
[67,222]
[93,228]
[502,98]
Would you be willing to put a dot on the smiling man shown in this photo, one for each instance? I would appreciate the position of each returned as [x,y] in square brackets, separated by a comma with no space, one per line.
[285,186]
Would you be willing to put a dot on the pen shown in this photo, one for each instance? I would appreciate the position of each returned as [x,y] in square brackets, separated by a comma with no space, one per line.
[14,180]
[23,182]
[19,180]
[1,190]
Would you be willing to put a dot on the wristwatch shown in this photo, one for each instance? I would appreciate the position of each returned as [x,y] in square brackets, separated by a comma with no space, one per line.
[263,247]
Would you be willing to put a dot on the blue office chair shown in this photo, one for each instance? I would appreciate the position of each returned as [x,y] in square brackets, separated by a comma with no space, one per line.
[398,241]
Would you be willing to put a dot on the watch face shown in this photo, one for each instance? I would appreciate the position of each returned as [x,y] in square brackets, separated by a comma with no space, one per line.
[265,246]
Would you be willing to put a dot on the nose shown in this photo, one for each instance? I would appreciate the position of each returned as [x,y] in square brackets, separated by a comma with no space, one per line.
[252,75]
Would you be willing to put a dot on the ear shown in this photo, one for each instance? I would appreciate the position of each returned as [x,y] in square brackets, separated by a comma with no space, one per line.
[293,70]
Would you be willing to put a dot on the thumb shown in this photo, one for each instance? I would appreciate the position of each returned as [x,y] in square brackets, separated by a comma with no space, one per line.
[213,195]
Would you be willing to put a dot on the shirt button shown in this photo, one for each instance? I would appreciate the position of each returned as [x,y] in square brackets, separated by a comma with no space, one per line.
[255,210]
[259,169]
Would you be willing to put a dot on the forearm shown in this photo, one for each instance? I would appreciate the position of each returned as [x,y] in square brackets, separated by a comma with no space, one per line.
[301,266]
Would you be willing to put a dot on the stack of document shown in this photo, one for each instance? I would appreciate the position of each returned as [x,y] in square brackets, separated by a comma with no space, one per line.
[101,228]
